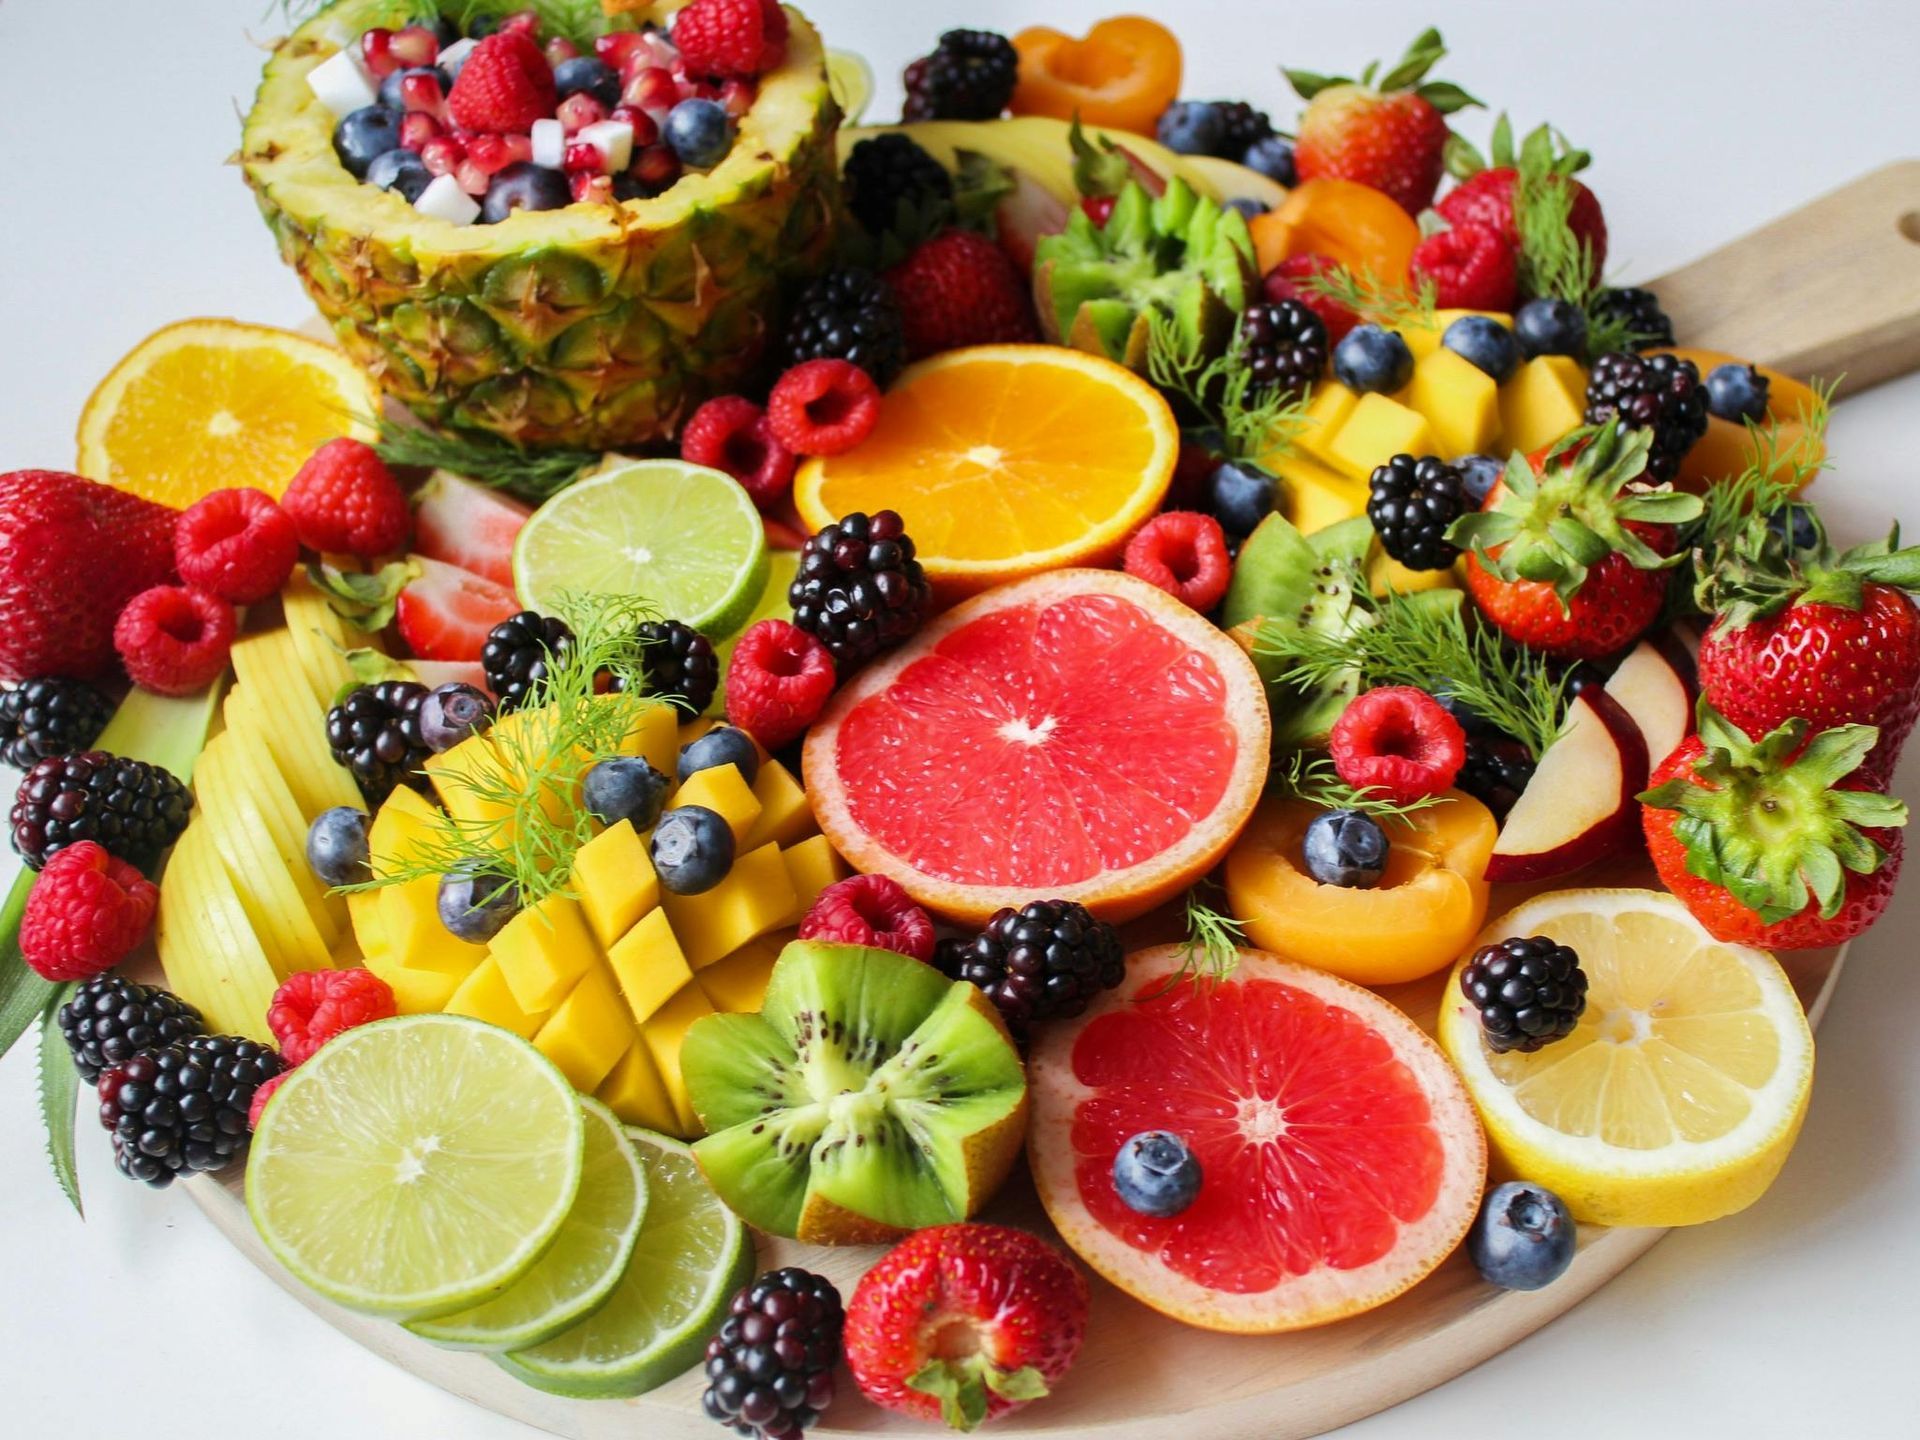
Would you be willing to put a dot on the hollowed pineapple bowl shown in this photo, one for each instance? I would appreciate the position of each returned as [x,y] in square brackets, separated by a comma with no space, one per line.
[592,326]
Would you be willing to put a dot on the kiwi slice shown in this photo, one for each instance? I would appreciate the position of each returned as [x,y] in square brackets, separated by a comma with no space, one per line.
[869,1097]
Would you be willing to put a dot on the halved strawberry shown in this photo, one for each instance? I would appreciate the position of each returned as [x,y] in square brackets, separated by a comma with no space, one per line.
[446,612]
[466,524]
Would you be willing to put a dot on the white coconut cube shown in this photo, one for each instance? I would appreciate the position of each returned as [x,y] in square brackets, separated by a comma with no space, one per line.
[613,139]
[549,143]
[342,83]
[455,55]
[445,200]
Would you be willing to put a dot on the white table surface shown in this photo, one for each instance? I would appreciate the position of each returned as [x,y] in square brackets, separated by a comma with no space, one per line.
[1798,1317]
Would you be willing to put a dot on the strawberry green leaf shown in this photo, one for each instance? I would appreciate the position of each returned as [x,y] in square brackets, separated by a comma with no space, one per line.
[1446,97]
[1460,157]
[1502,142]
[1098,170]
[1020,1385]
[960,1389]
[364,600]
[1307,84]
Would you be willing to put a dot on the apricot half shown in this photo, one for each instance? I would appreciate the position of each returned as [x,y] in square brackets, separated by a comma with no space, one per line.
[1123,74]
[1352,224]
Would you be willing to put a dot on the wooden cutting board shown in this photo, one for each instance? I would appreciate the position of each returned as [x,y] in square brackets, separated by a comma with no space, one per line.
[1831,288]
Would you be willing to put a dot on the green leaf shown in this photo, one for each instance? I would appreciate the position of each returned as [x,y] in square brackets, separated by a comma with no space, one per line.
[1460,157]
[363,600]
[59,1084]
[1097,169]
[1446,97]
[1020,1385]
[1502,142]
[961,1392]
[484,458]
[1307,84]
[23,994]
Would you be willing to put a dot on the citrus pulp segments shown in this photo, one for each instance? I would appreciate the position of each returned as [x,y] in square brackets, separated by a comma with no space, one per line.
[416,1166]
[681,537]
[693,1253]
[1714,1031]
[1080,734]
[1005,461]
[204,404]
[1374,1060]
[581,1266]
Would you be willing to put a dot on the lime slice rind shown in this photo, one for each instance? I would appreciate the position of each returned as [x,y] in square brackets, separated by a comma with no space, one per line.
[582,1265]
[681,537]
[416,1166]
[693,1254]
[850,79]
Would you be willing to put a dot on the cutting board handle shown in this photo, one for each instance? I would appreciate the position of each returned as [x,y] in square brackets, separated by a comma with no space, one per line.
[1829,289]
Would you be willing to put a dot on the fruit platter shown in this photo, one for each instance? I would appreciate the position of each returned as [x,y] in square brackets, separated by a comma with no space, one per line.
[1086,759]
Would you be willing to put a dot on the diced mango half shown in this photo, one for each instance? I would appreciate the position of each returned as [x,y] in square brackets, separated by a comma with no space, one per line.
[649,965]
[416,936]
[1316,495]
[757,895]
[737,984]
[484,995]
[543,951]
[616,880]
[723,790]
[636,1092]
[1328,408]
[663,1036]
[786,817]
[654,738]
[1461,403]
[811,866]
[415,992]
[1542,400]
[468,779]
[588,1032]
[1376,431]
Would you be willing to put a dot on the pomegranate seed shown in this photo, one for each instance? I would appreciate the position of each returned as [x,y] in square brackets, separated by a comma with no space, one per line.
[656,167]
[417,129]
[560,48]
[580,110]
[584,160]
[519,148]
[645,132]
[473,177]
[442,154]
[651,89]
[615,48]
[489,153]
[420,94]
[737,97]
[415,45]
[525,21]
[376,48]
[593,187]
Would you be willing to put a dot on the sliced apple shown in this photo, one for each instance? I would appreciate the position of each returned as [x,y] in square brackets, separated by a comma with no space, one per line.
[1654,692]
[1579,807]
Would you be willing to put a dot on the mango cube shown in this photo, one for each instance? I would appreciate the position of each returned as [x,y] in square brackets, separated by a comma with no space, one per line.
[484,995]
[636,1093]
[663,1035]
[543,951]
[654,738]
[811,866]
[1316,495]
[1544,399]
[616,881]
[400,828]
[589,1031]
[1327,410]
[737,985]
[649,964]
[1376,431]
[415,992]
[757,896]
[1460,401]
[786,817]
[723,790]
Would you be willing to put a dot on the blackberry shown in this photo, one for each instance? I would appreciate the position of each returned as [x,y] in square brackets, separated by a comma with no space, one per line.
[110,1020]
[375,733]
[680,666]
[1495,772]
[1045,961]
[516,655]
[1529,992]
[770,1369]
[46,717]
[1647,324]
[1658,392]
[969,77]
[132,809]
[1411,503]
[885,173]
[1242,127]
[184,1106]
[859,590]
[1285,345]
[847,315]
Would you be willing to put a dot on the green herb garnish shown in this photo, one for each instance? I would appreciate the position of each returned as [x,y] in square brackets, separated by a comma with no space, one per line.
[1211,951]
[1369,298]
[1313,778]
[532,475]
[1254,423]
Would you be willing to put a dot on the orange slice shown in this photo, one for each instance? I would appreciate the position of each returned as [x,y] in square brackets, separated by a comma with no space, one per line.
[207,404]
[1005,461]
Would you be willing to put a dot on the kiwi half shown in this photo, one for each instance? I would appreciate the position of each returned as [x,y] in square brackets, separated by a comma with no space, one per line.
[871,1096]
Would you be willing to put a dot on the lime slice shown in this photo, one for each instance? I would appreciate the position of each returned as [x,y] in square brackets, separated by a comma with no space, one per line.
[416,1166]
[850,79]
[693,1254]
[685,538]
[782,566]
[581,1267]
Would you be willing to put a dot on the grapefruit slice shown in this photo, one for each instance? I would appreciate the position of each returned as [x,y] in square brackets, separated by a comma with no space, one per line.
[1340,1157]
[1080,735]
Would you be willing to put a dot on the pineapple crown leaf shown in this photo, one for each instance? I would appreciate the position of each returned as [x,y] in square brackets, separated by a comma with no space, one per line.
[1408,74]
[1098,169]
[1555,527]
[1764,818]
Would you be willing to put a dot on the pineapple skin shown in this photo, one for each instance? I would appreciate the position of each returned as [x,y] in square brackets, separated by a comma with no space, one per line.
[591,327]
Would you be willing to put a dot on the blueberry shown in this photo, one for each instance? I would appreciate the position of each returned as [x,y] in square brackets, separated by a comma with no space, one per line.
[390,95]
[699,132]
[722,745]
[474,907]
[1156,1174]
[402,172]
[1372,360]
[1470,719]
[1550,327]
[1523,1238]
[1736,393]
[1478,475]
[1273,158]
[1796,525]
[1193,127]
[364,135]
[692,849]
[1239,495]
[625,788]
[337,846]
[588,74]
[450,714]
[1345,848]
[1485,344]
[524,186]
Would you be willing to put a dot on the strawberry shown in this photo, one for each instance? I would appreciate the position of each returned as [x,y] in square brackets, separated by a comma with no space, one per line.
[1833,640]
[957,289]
[1289,280]
[1390,133]
[1473,267]
[1573,563]
[445,612]
[72,553]
[1782,842]
[469,525]
[504,87]
[1485,195]
[963,1323]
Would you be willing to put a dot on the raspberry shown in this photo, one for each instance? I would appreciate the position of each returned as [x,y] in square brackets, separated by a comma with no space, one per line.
[1473,267]
[870,910]
[778,682]
[346,500]
[1288,281]
[504,87]
[1399,741]
[174,641]
[1183,554]
[236,544]
[740,38]
[85,913]
[313,1006]
[261,1096]
[731,433]
[823,407]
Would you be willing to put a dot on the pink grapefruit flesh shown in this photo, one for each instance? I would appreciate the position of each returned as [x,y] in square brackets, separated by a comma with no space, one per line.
[1341,1160]
[1079,735]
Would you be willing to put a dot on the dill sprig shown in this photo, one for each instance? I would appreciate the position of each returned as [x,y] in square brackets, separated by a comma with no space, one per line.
[1211,951]
[1372,299]
[577,20]
[530,474]
[1411,640]
[1255,423]
[1313,778]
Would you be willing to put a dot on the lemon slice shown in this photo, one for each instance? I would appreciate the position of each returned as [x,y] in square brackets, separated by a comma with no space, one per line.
[1677,1097]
